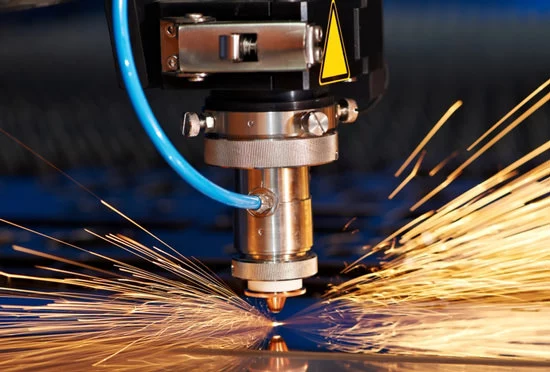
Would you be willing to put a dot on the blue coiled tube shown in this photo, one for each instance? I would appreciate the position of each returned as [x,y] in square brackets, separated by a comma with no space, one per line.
[150,124]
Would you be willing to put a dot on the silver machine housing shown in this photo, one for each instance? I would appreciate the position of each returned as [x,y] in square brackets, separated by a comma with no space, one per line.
[272,152]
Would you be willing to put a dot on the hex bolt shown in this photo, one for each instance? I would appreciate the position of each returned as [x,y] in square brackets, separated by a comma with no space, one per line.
[315,123]
[209,120]
[269,204]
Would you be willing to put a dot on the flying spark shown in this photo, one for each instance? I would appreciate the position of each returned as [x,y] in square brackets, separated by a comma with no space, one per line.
[442,164]
[533,94]
[128,309]
[471,279]
[429,136]
[458,171]
[409,178]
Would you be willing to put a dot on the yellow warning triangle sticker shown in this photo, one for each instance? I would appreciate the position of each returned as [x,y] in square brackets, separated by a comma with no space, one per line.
[334,67]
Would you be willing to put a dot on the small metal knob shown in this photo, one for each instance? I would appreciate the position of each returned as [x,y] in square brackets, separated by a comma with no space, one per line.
[315,123]
[191,124]
[347,111]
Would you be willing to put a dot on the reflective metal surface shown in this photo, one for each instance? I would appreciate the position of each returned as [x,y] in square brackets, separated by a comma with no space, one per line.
[271,46]
[273,247]
[274,364]
[288,231]
[287,268]
[316,123]
[271,124]
[279,360]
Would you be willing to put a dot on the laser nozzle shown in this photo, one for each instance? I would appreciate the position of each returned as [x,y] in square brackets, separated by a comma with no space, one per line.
[275,300]
[275,303]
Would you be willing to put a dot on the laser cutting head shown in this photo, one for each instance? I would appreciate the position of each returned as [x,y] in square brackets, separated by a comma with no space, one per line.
[277,71]
[272,152]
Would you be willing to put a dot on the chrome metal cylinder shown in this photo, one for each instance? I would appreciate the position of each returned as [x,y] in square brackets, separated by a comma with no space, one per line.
[285,232]
[272,152]
[274,244]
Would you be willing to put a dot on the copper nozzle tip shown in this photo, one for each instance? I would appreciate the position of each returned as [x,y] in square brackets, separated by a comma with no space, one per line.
[276,303]
[277,344]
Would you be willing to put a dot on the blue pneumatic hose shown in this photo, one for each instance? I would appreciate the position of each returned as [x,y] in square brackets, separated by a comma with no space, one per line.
[150,124]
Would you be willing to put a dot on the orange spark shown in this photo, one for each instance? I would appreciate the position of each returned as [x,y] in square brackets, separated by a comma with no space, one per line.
[457,172]
[443,163]
[429,136]
[509,114]
[409,177]
[128,311]
[468,280]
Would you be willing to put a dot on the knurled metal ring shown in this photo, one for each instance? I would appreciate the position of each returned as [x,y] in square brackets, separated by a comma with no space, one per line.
[299,268]
[271,153]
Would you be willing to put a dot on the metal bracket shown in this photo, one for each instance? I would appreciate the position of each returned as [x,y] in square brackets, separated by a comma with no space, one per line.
[204,46]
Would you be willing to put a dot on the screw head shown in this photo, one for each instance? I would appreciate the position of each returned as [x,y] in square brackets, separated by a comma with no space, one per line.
[317,54]
[172,62]
[317,34]
[191,124]
[316,123]
[171,30]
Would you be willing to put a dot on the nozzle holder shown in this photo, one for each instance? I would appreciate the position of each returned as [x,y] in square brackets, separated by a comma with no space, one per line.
[295,293]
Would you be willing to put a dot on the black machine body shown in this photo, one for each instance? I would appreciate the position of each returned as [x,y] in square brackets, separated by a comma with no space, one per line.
[269,46]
